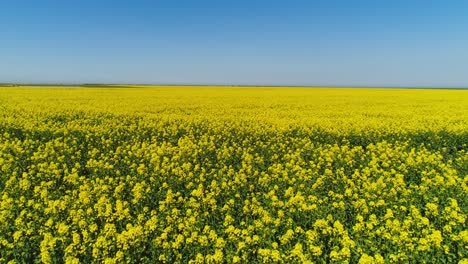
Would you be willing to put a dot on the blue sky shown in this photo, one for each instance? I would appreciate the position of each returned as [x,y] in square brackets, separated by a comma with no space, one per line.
[334,42]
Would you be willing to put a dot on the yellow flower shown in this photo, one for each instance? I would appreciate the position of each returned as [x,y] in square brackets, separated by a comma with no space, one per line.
[366,259]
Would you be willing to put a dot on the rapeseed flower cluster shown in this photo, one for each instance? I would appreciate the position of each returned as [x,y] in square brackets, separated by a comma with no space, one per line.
[213,175]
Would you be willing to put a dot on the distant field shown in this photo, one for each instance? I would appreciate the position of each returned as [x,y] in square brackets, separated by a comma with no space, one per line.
[148,174]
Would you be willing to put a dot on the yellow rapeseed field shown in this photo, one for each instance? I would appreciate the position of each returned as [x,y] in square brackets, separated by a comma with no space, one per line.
[233,175]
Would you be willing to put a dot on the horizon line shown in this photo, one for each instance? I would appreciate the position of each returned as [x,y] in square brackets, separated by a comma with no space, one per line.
[68,84]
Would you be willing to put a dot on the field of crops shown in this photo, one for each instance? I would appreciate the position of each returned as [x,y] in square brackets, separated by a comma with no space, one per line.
[233,174]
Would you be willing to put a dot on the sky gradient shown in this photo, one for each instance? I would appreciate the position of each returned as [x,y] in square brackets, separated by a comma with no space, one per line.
[315,43]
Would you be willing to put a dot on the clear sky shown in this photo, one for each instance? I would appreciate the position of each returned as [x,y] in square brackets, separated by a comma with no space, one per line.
[288,42]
